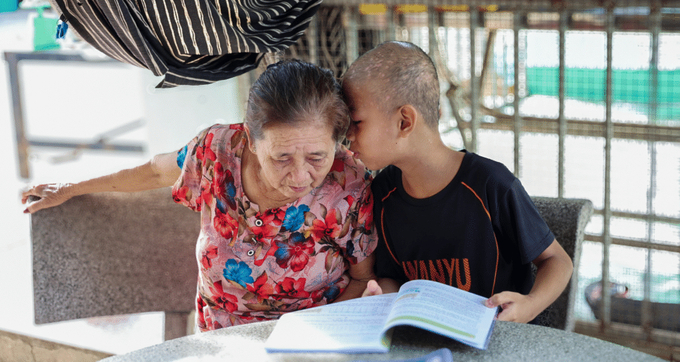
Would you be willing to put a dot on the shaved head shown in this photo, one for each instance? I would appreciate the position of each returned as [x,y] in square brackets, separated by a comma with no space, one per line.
[396,74]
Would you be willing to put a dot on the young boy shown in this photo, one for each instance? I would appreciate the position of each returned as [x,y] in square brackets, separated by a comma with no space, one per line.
[444,215]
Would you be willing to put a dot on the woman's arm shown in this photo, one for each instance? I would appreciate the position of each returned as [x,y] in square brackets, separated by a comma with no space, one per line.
[160,171]
[360,273]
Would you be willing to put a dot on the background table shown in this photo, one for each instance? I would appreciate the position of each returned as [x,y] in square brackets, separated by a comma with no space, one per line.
[509,342]
[23,141]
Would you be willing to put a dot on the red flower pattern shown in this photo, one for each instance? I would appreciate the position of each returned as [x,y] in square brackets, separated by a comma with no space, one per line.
[261,287]
[181,194]
[206,196]
[338,165]
[207,257]
[200,319]
[226,225]
[317,295]
[291,288]
[205,152]
[223,299]
[295,251]
[223,179]
[271,224]
[301,254]
[365,216]
[326,228]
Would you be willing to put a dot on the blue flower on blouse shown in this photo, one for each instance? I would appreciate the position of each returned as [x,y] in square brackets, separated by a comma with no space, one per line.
[295,216]
[285,249]
[181,155]
[231,194]
[349,247]
[220,206]
[331,293]
[237,272]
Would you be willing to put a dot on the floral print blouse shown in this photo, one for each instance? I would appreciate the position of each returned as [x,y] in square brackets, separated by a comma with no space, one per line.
[258,264]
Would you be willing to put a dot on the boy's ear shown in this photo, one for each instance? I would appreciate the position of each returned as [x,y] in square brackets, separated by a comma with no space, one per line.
[409,117]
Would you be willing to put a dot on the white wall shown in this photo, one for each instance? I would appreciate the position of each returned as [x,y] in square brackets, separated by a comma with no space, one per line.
[175,115]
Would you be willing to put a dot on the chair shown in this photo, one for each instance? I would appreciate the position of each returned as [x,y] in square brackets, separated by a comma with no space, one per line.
[115,253]
[567,218]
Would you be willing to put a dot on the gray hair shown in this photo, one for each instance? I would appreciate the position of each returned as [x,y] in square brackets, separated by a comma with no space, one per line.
[291,92]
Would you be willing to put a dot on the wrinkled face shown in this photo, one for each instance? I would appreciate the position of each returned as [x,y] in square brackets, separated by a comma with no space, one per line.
[295,159]
[371,131]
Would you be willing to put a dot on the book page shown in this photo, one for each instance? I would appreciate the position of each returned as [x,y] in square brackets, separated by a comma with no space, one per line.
[350,326]
[445,310]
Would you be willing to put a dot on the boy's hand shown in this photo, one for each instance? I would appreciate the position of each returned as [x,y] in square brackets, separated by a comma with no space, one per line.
[372,288]
[516,307]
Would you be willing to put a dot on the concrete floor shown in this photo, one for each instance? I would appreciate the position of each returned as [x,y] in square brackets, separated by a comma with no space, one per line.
[59,99]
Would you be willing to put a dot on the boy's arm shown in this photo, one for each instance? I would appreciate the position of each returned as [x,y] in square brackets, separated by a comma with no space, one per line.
[554,271]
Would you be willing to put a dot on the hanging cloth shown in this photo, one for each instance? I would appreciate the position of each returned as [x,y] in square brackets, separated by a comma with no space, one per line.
[190,42]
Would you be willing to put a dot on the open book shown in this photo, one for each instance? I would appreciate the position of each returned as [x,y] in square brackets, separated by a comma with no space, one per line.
[364,325]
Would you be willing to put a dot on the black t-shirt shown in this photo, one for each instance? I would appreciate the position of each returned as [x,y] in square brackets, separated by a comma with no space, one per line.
[480,233]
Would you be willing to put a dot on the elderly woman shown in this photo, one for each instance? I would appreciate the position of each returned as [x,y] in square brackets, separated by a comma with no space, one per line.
[286,212]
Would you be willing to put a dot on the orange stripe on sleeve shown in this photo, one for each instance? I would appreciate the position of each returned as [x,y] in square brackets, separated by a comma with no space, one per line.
[382,226]
[494,234]
[388,194]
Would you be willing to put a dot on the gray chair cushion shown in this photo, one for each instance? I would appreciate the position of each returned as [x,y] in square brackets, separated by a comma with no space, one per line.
[567,218]
[114,253]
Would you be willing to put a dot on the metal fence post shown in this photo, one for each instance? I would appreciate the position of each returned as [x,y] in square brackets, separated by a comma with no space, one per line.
[562,121]
[474,80]
[609,133]
[517,23]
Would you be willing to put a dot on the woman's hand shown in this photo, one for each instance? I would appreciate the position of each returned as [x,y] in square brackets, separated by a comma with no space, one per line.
[161,171]
[45,196]
[372,288]
[380,286]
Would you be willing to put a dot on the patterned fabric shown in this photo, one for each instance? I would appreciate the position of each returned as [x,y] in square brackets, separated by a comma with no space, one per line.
[257,264]
[191,42]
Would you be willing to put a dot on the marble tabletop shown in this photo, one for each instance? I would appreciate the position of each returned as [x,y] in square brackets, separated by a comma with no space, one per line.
[509,342]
